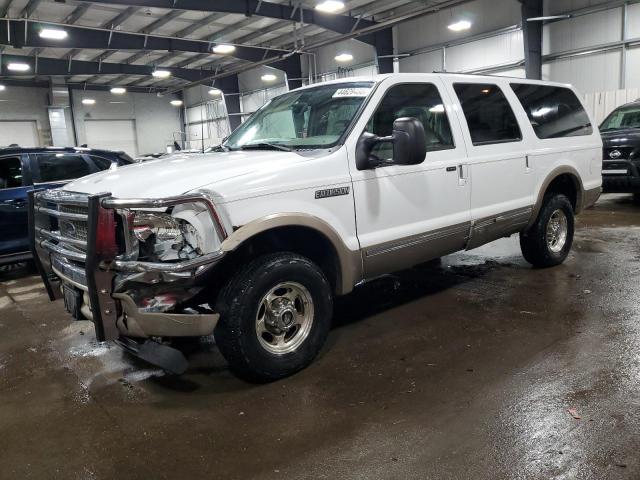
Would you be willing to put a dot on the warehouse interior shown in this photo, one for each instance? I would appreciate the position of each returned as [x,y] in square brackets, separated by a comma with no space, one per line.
[474,366]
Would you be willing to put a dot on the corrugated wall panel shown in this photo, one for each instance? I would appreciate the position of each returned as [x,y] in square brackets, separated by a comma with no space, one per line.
[424,62]
[432,29]
[493,51]
[633,67]
[588,73]
[583,31]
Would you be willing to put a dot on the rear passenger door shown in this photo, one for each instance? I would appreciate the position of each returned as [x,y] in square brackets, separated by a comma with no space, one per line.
[501,180]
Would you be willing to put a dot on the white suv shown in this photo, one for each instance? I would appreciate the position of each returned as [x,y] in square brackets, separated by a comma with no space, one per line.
[321,189]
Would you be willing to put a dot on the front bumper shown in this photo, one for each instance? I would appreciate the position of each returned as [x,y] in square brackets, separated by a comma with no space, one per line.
[620,184]
[108,285]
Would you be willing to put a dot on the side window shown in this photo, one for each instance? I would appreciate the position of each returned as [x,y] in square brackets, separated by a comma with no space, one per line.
[10,172]
[55,167]
[418,100]
[554,112]
[488,113]
[102,163]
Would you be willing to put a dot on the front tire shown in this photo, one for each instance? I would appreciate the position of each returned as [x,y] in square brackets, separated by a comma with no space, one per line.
[275,315]
[548,242]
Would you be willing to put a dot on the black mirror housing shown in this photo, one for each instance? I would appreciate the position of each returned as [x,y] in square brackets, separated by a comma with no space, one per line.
[409,141]
[409,145]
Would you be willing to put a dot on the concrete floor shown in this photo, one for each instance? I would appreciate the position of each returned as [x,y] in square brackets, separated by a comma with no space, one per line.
[467,370]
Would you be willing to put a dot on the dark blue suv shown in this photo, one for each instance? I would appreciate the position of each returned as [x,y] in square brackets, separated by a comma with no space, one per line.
[22,169]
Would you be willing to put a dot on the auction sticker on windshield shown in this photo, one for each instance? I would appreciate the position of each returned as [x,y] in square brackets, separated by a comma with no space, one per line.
[352,92]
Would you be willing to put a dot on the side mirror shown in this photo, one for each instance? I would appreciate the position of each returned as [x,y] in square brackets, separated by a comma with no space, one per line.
[409,145]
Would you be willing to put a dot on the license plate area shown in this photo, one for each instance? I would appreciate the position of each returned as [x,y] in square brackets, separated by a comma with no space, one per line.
[73,301]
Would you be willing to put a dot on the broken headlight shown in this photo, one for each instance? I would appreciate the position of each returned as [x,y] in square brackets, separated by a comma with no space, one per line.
[183,233]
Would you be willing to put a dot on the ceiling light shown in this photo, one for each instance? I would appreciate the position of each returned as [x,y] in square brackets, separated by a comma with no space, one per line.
[460,26]
[2,88]
[223,49]
[53,34]
[344,57]
[215,92]
[88,101]
[118,90]
[330,6]
[176,103]
[269,77]
[161,73]
[18,67]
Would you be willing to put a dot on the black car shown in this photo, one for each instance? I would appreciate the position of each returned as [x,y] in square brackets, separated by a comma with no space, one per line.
[621,155]
[23,169]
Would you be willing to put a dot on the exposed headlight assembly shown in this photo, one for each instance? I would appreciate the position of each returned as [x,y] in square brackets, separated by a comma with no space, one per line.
[184,233]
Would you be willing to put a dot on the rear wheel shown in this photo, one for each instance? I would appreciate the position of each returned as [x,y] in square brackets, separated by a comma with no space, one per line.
[275,315]
[548,242]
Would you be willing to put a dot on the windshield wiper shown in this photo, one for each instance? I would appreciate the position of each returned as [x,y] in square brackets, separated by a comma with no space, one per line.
[265,146]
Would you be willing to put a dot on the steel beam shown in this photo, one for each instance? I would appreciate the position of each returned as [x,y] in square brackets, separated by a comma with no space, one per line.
[62,67]
[532,33]
[337,23]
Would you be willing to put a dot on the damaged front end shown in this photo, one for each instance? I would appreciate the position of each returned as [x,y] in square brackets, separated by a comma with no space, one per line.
[132,267]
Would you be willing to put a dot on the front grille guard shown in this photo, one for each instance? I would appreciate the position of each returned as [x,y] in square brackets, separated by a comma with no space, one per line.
[99,282]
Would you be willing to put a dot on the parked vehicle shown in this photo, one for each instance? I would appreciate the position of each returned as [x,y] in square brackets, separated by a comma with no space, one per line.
[621,154]
[22,169]
[323,188]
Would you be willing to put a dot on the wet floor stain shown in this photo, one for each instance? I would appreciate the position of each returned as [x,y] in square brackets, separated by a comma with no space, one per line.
[474,367]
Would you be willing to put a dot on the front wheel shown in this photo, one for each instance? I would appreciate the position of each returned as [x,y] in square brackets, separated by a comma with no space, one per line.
[275,315]
[548,242]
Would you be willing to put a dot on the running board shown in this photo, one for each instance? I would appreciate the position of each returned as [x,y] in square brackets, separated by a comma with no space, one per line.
[167,358]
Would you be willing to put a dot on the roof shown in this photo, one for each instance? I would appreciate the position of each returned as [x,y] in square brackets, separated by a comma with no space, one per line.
[95,151]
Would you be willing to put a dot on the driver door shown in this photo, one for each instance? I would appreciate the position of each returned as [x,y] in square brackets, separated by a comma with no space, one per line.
[409,214]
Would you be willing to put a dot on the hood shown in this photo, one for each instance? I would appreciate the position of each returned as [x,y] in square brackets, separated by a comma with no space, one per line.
[627,137]
[180,174]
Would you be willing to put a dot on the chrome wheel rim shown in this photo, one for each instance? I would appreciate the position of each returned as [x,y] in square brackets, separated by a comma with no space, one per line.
[557,231]
[284,318]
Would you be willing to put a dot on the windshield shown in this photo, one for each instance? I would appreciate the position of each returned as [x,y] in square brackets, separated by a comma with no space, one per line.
[625,117]
[305,119]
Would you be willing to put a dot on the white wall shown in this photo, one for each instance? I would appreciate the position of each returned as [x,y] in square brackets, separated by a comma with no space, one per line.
[156,120]
[27,103]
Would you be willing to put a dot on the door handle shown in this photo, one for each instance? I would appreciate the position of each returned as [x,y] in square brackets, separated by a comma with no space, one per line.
[462,175]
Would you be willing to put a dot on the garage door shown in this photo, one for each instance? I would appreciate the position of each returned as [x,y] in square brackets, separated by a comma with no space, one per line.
[24,133]
[112,135]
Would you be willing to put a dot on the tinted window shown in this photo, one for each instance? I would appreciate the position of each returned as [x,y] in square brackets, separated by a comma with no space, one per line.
[10,173]
[554,112]
[421,101]
[61,166]
[101,163]
[488,113]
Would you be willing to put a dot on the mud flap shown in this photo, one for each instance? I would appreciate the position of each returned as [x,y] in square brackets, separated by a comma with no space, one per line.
[163,356]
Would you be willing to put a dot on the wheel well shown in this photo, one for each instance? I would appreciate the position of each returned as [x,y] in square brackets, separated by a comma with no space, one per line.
[565,184]
[304,241]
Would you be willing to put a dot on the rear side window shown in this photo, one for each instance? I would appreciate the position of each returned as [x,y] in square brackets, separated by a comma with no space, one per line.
[10,172]
[488,113]
[554,112]
[55,167]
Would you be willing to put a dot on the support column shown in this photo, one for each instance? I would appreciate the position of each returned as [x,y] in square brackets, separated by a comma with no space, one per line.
[532,33]
[293,68]
[382,41]
[231,90]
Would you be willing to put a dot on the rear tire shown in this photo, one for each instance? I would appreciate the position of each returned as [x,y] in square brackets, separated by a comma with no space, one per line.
[636,198]
[548,242]
[275,316]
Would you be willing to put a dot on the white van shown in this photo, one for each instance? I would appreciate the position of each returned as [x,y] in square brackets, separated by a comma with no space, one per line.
[323,188]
